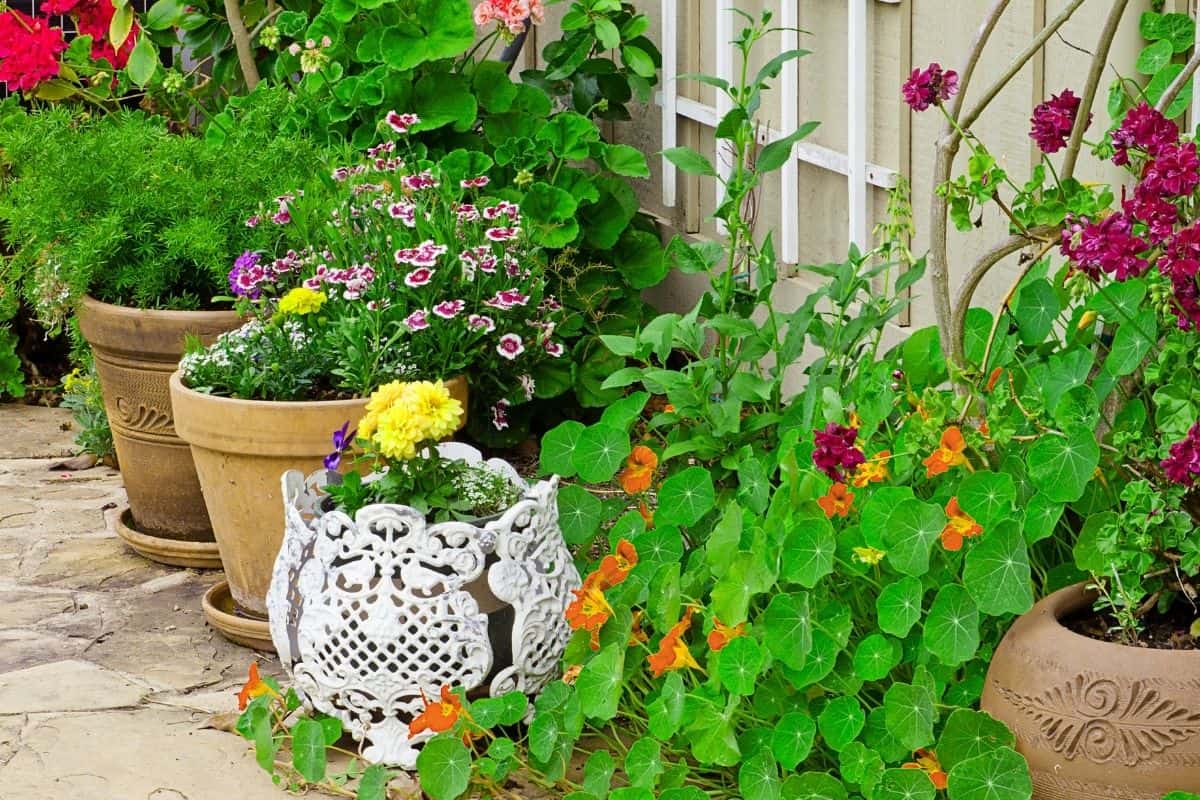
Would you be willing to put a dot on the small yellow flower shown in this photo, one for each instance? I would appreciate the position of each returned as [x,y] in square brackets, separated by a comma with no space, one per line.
[301,301]
[869,555]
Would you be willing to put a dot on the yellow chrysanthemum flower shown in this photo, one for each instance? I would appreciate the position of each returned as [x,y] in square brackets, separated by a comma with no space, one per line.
[301,300]
[400,416]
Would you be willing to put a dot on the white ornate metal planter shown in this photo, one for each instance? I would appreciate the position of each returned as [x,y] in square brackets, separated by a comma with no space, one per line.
[367,613]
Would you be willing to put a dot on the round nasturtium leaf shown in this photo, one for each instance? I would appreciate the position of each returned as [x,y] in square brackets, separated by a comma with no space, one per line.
[1062,466]
[600,451]
[952,625]
[579,513]
[808,552]
[788,626]
[997,572]
[875,657]
[969,733]
[599,684]
[685,497]
[898,606]
[1041,518]
[643,763]
[813,786]
[792,739]
[904,784]
[997,774]
[841,721]
[821,660]
[665,712]
[758,777]
[987,496]
[881,740]
[878,509]
[909,714]
[860,765]
[558,448]
[444,767]
[662,544]
[911,531]
[738,665]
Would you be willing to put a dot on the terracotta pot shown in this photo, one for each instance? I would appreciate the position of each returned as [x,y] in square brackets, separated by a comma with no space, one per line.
[135,352]
[241,448]
[1096,720]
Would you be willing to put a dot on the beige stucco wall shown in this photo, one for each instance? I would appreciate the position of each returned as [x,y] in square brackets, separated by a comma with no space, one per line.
[902,35]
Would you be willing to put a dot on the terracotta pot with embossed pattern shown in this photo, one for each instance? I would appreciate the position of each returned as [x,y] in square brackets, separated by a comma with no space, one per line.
[1096,720]
[136,351]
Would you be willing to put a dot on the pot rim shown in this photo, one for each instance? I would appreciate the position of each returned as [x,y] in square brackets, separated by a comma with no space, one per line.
[166,315]
[1062,602]
[238,403]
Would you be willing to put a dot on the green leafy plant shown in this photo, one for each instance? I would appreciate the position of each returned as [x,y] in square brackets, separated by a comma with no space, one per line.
[12,379]
[81,394]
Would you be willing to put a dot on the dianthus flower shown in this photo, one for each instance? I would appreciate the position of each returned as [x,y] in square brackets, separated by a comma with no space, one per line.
[1183,464]
[1145,129]
[929,86]
[834,452]
[1053,120]
[1108,246]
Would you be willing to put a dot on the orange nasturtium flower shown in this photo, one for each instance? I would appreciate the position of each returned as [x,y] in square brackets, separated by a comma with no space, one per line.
[589,610]
[837,502]
[927,760]
[722,634]
[438,717]
[995,376]
[614,568]
[647,514]
[637,636]
[960,526]
[255,687]
[673,652]
[639,470]
[949,453]
[873,470]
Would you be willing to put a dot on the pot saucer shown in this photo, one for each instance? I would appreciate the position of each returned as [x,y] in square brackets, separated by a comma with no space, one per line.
[173,552]
[222,614]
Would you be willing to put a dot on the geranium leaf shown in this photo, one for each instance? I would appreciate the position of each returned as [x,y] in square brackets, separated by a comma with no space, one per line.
[841,721]
[968,734]
[909,714]
[996,572]
[998,774]
[952,625]
[898,606]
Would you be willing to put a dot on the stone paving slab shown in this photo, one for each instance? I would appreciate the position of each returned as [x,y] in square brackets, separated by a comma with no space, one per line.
[108,672]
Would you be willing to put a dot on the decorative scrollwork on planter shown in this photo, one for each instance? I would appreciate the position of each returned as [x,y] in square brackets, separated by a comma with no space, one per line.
[1103,720]
[368,613]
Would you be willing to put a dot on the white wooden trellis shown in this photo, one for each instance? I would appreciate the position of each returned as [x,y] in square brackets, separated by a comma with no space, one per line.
[860,173]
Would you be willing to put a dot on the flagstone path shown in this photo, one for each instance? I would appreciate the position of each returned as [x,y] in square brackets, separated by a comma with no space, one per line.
[109,678]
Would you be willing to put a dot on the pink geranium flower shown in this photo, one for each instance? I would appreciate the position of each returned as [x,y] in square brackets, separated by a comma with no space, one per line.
[401,123]
[930,86]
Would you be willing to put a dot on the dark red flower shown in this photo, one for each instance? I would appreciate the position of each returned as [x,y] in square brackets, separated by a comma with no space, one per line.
[1181,265]
[1157,214]
[1108,246]
[1053,120]
[1143,128]
[29,49]
[834,452]
[929,86]
[1183,464]
[1174,172]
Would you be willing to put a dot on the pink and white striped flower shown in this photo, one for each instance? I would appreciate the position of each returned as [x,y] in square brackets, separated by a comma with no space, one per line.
[467,213]
[253,220]
[341,173]
[512,267]
[506,299]
[510,346]
[500,414]
[417,320]
[449,309]
[419,277]
[553,348]
[475,183]
[400,123]
[423,255]
[502,234]
[527,386]
[478,322]
[422,180]
[405,212]
[505,209]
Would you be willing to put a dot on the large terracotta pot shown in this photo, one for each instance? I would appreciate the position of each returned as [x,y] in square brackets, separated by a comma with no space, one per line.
[241,449]
[135,353]
[1096,720]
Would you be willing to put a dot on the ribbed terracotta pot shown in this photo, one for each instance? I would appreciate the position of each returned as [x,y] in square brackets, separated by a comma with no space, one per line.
[241,449]
[1096,720]
[135,353]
